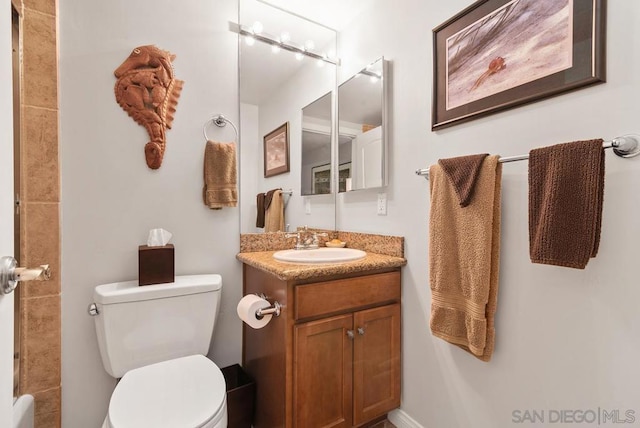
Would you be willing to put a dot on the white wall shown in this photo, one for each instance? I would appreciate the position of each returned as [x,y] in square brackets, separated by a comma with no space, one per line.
[110,199]
[566,339]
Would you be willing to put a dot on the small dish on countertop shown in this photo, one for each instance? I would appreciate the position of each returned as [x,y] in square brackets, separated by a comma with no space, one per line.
[335,244]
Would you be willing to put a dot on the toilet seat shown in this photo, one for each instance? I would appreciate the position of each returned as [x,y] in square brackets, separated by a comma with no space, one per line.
[187,392]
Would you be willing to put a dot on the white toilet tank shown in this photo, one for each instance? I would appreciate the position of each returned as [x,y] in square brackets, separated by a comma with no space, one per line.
[138,326]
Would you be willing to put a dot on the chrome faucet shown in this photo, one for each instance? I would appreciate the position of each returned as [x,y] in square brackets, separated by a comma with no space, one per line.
[305,239]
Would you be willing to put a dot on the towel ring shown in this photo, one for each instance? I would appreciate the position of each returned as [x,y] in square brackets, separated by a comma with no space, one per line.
[220,121]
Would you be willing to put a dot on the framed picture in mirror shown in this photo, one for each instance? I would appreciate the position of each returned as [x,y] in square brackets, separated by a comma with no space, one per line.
[276,151]
[499,54]
[321,179]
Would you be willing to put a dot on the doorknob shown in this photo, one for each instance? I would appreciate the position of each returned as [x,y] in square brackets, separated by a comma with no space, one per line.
[10,274]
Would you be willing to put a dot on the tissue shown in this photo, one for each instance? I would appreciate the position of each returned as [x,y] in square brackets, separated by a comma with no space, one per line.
[158,238]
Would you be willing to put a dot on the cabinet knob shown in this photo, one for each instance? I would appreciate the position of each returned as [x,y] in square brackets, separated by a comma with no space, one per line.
[361,331]
[350,334]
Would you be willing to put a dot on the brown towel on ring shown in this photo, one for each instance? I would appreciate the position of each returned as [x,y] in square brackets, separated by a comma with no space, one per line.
[566,189]
[220,176]
[464,256]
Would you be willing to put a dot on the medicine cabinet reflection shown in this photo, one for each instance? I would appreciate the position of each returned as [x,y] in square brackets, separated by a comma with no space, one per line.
[362,124]
[316,147]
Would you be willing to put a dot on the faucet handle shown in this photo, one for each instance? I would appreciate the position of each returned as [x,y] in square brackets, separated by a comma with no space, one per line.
[316,235]
[292,235]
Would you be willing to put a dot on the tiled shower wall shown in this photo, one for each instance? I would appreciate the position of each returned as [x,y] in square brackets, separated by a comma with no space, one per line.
[40,344]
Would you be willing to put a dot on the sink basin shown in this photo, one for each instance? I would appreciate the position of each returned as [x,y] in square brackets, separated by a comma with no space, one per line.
[319,255]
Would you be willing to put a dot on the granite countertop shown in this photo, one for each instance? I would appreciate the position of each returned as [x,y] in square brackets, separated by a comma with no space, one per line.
[264,261]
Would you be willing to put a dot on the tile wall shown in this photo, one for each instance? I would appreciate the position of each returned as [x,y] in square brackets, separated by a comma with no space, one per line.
[40,344]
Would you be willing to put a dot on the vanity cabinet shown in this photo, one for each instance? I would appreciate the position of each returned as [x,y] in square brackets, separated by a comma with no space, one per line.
[332,358]
[347,368]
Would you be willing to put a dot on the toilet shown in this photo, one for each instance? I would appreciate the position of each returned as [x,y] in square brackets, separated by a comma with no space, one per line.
[154,339]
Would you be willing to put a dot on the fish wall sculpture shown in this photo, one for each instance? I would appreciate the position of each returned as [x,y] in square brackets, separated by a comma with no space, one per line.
[148,91]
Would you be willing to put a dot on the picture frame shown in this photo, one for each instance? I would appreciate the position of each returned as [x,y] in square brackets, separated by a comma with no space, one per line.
[276,151]
[321,179]
[488,59]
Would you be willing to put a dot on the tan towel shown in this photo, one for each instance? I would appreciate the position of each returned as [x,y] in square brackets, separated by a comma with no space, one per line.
[566,189]
[274,215]
[464,251]
[220,176]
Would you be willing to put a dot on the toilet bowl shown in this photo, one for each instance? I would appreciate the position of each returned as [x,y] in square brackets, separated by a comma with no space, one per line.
[187,392]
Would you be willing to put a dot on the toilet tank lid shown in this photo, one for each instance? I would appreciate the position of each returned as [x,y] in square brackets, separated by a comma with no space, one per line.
[129,291]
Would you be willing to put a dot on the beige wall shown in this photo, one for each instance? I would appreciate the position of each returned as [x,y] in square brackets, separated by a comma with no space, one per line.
[39,211]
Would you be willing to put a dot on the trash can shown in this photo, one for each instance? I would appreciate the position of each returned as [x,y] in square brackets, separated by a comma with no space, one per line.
[241,393]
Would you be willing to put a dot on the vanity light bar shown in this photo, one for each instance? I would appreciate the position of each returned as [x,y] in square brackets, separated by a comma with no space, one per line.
[286,45]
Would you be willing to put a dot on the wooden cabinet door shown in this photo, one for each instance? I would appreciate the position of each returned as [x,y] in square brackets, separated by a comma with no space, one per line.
[376,367]
[322,366]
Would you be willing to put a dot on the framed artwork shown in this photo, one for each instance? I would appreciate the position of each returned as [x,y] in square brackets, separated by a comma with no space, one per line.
[276,151]
[344,177]
[321,179]
[498,54]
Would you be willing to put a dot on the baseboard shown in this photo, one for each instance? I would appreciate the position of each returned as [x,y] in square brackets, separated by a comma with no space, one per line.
[402,420]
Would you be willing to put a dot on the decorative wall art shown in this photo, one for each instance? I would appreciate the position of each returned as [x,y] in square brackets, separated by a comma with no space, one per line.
[276,151]
[148,91]
[498,54]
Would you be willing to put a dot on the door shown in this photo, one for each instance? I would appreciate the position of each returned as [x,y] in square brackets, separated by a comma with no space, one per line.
[366,159]
[6,211]
[376,362]
[322,373]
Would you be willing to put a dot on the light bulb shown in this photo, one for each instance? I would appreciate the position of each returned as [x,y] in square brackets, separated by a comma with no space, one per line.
[275,49]
[285,37]
[331,53]
[249,40]
[299,56]
[373,79]
[257,27]
[320,62]
[309,45]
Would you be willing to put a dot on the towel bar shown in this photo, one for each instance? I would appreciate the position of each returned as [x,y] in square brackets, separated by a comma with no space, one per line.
[626,146]
[220,121]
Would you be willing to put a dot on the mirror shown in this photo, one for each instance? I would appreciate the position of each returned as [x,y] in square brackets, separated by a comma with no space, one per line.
[316,147]
[286,71]
[362,119]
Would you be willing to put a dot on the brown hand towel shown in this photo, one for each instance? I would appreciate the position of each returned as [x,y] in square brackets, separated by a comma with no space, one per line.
[260,210]
[220,176]
[274,216]
[464,251]
[462,173]
[566,189]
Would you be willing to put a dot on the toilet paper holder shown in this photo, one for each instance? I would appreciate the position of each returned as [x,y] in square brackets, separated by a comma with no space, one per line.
[274,309]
